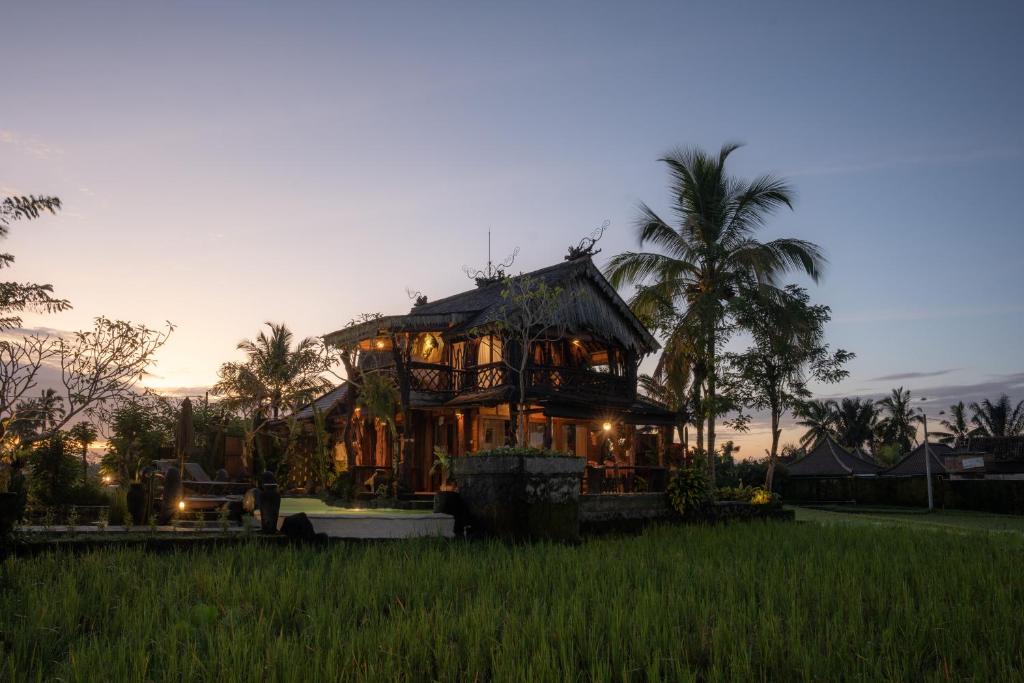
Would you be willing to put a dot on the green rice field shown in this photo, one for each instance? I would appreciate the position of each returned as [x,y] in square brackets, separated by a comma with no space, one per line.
[749,602]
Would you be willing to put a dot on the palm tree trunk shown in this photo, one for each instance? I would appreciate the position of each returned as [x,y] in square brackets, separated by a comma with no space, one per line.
[711,404]
[774,453]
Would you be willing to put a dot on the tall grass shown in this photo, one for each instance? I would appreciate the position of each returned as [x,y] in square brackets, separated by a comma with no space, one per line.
[745,602]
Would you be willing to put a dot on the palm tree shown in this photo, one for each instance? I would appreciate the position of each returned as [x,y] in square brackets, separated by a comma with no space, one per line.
[84,435]
[958,428]
[819,419]
[671,389]
[899,426]
[856,421]
[711,255]
[999,418]
[36,415]
[275,375]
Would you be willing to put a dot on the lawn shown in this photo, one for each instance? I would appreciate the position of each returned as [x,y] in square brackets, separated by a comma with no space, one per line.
[315,506]
[961,520]
[760,601]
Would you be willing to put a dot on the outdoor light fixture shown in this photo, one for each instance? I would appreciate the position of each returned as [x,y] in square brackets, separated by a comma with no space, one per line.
[181,505]
[380,344]
[106,478]
[607,426]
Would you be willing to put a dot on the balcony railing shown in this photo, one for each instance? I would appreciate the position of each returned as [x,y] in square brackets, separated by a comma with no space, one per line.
[577,381]
[435,378]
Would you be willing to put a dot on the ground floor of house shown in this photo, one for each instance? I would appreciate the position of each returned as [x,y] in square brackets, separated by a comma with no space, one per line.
[622,449]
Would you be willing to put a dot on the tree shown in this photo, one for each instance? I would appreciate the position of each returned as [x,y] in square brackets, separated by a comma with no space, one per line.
[855,422]
[671,389]
[275,374]
[84,434]
[53,471]
[532,313]
[97,368]
[138,430]
[899,425]
[819,419]
[958,428]
[788,351]
[711,256]
[35,415]
[16,297]
[998,419]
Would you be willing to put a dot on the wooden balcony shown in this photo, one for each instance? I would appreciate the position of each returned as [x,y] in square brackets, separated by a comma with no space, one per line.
[436,378]
[577,381]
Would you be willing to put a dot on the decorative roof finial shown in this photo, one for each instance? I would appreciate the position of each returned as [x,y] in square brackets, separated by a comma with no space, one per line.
[587,244]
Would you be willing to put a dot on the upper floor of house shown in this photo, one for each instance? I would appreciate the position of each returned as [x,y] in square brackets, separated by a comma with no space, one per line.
[463,345]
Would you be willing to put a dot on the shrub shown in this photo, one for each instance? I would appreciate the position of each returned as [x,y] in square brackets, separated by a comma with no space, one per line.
[757,495]
[344,487]
[689,491]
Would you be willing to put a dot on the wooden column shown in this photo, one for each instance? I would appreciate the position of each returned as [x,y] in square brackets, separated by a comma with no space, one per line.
[630,433]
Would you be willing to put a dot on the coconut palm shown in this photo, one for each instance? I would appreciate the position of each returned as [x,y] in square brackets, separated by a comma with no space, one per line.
[856,421]
[899,426]
[84,434]
[819,419]
[36,415]
[958,428]
[276,374]
[998,419]
[671,389]
[711,255]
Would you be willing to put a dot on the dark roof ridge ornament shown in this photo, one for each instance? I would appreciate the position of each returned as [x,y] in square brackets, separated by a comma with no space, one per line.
[496,272]
[585,247]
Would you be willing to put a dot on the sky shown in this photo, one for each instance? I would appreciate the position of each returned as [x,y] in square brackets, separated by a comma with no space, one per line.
[223,164]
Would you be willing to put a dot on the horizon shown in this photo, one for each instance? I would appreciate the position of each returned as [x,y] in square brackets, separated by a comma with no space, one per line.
[257,165]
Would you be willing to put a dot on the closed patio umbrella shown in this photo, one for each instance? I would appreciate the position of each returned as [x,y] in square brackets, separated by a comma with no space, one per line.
[185,434]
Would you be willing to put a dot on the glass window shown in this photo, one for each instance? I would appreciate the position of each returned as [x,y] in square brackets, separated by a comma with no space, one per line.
[537,434]
[489,350]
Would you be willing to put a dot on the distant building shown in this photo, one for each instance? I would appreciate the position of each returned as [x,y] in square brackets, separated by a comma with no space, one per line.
[829,459]
[913,463]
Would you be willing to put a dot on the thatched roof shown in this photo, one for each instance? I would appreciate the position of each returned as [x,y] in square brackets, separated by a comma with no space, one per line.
[912,464]
[829,459]
[325,403]
[594,308]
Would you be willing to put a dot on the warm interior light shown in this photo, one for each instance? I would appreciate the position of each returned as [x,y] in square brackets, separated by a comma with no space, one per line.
[576,342]
[458,414]
[181,505]
[607,426]
[380,344]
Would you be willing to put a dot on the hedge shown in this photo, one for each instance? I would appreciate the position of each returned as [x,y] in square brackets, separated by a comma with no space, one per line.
[983,495]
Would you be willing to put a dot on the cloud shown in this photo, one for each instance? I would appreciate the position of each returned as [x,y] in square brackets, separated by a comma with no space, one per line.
[29,144]
[179,392]
[913,375]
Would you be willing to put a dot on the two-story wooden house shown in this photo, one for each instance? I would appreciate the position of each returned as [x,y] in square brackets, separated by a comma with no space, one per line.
[580,384]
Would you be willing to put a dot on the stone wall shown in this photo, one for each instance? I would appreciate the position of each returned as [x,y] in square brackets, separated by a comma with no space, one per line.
[607,507]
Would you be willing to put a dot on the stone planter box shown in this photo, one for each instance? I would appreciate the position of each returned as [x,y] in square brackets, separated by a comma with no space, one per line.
[521,497]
